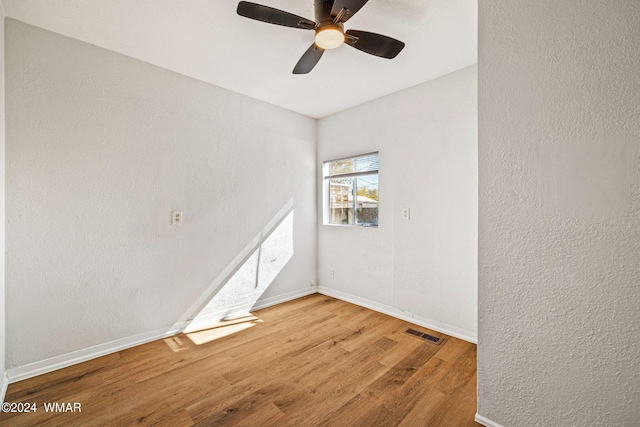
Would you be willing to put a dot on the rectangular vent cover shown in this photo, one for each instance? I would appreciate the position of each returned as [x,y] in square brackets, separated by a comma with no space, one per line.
[426,337]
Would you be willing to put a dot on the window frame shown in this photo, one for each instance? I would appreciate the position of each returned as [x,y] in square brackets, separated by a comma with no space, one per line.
[326,190]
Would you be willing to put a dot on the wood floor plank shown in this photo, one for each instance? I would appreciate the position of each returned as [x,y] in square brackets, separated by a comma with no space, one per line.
[393,407]
[314,361]
[425,407]
[359,407]
[312,409]
[339,382]
[62,379]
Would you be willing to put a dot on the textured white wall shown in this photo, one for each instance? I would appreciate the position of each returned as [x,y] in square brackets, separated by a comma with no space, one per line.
[426,266]
[100,149]
[559,216]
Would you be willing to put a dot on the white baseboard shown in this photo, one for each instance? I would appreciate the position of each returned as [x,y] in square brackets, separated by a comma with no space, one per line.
[211,319]
[4,383]
[486,421]
[58,362]
[268,302]
[395,312]
[64,360]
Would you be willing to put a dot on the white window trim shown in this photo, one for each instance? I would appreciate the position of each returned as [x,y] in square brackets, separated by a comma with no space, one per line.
[326,189]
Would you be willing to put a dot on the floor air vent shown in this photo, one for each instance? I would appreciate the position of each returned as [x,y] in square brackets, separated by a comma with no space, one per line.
[426,337]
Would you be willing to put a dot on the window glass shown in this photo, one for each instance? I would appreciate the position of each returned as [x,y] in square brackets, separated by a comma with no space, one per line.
[351,191]
[341,201]
[367,199]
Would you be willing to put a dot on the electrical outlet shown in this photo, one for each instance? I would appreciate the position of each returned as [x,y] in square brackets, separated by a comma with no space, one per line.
[331,274]
[313,283]
[405,213]
[176,217]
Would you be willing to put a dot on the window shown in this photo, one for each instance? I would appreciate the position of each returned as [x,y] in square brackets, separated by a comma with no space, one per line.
[351,191]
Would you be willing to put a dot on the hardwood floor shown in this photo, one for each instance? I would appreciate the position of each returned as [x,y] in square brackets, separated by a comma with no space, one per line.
[314,361]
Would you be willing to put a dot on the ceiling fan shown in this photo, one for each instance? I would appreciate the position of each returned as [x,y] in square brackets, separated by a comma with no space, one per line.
[330,17]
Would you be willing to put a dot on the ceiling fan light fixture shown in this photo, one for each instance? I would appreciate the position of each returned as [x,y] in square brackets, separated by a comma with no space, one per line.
[329,37]
[330,16]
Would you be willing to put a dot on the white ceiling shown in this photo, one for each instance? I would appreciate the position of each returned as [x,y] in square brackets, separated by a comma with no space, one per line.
[207,40]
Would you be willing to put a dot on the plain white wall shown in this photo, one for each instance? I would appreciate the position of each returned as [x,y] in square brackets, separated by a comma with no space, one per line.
[559,213]
[2,204]
[426,267]
[100,149]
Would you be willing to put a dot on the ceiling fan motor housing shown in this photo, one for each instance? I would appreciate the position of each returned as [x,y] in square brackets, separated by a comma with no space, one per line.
[329,34]
[322,26]
[323,11]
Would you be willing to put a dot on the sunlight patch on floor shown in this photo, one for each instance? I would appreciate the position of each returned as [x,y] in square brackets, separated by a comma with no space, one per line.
[223,329]
[175,344]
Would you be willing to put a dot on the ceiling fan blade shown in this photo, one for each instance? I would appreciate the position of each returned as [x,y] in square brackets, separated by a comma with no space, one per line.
[374,44]
[308,60]
[273,16]
[351,6]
